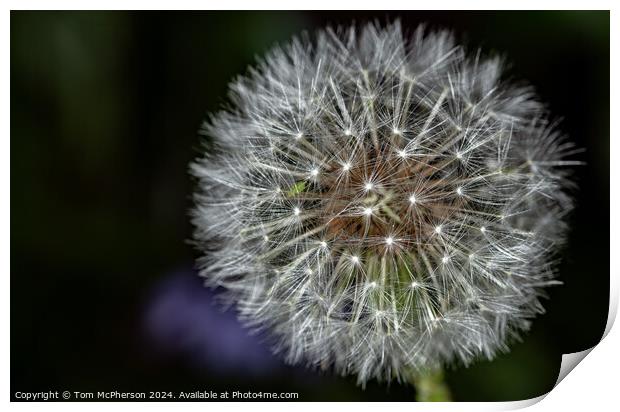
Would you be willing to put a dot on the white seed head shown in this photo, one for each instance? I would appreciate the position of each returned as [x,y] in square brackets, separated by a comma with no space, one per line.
[341,102]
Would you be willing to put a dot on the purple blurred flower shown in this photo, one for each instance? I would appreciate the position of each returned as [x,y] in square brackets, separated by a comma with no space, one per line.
[181,318]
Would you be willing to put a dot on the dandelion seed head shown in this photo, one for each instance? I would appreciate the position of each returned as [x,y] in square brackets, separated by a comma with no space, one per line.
[362,281]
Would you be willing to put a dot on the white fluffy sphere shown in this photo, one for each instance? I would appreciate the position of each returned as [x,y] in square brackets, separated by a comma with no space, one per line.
[381,204]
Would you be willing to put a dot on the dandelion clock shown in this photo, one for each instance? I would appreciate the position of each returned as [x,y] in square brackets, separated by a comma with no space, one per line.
[382,204]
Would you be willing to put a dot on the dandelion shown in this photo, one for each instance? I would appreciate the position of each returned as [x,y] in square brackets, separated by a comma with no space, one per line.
[381,204]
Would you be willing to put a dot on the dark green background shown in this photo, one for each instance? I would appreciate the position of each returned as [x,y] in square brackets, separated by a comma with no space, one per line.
[105,108]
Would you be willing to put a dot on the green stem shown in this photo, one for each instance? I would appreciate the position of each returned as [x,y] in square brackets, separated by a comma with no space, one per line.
[430,386]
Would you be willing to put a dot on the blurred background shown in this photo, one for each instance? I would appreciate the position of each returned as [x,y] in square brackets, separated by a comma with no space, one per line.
[105,109]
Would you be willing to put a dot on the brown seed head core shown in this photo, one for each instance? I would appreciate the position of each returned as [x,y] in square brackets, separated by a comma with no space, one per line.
[385,196]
